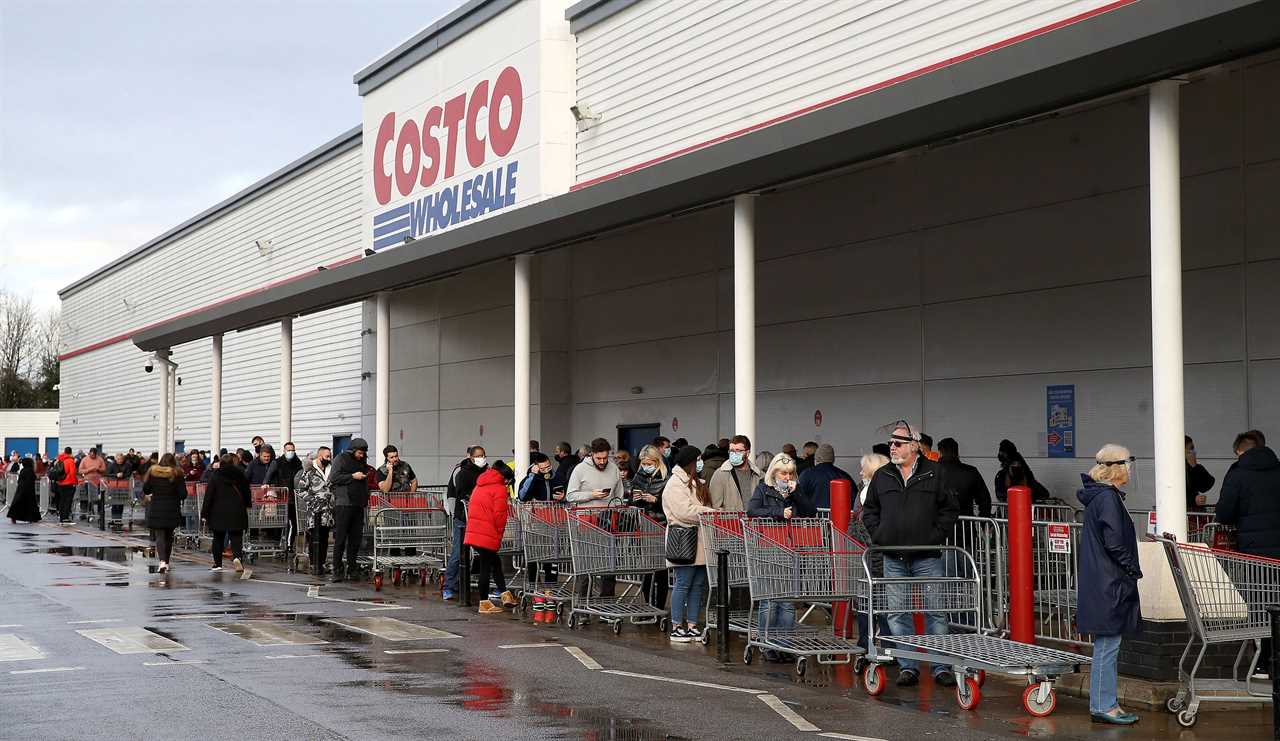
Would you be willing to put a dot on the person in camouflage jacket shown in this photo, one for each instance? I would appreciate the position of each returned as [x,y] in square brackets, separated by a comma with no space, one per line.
[315,506]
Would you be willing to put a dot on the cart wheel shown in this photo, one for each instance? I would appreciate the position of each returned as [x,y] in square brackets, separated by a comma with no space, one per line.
[981,676]
[573,621]
[873,679]
[706,636]
[663,624]
[377,582]
[747,655]
[1032,704]
[968,693]
[1186,718]
[1175,704]
[617,628]
[560,609]
[801,665]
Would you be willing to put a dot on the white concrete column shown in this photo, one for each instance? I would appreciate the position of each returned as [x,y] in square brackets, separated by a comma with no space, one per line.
[1166,309]
[523,310]
[161,365]
[382,377]
[744,317]
[286,382]
[173,410]
[215,396]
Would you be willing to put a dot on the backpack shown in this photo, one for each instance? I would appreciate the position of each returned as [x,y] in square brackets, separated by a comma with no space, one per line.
[57,471]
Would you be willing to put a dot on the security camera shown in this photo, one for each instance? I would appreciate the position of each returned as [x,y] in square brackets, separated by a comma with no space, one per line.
[149,366]
[584,116]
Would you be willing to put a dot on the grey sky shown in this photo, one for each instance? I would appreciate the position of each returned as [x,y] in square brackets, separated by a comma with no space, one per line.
[119,120]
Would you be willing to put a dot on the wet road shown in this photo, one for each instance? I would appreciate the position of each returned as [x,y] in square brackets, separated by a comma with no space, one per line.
[94,646]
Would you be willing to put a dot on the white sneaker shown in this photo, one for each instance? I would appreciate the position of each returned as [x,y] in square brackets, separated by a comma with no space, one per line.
[237,565]
[215,568]
[164,567]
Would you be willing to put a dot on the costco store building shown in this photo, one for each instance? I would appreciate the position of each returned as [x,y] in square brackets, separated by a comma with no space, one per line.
[794,220]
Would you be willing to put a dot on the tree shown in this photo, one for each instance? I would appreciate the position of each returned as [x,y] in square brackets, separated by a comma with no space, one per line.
[28,354]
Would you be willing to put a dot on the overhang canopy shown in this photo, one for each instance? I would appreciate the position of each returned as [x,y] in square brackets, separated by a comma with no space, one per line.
[1126,47]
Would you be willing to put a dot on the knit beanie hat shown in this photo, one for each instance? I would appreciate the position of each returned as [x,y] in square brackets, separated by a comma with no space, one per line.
[686,455]
[825,454]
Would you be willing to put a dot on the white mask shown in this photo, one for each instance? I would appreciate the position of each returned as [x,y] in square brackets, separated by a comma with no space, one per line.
[480,461]
[288,455]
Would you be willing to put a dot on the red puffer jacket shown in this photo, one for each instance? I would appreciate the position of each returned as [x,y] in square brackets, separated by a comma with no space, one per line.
[487,512]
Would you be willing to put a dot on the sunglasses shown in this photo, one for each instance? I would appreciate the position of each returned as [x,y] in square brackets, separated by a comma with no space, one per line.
[898,443]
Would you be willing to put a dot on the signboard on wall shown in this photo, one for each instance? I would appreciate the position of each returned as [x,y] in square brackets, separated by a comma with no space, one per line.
[1060,404]
[478,127]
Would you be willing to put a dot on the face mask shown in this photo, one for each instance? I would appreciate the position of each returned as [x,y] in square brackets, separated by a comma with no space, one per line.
[546,475]
[701,465]
[324,461]
[736,459]
[289,455]
[650,470]
[480,461]
[666,452]
[783,487]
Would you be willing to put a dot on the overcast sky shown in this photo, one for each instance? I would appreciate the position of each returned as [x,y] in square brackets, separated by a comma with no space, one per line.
[119,120]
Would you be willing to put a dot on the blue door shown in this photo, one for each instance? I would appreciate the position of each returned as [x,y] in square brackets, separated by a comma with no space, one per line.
[340,443]
[51,447]
[26,446]
[632,438]
[179,446]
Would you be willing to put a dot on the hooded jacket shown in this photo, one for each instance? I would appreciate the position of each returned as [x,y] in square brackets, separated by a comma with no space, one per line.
[1250,502]
[69,470]
[167,490]
[463,481]
[725,492]
[487,511]
[1109,570]
[347,490]
[312,487]
[283,471]
[564,467]
[227,500]
[534,487]
[919,511]
[1008,455]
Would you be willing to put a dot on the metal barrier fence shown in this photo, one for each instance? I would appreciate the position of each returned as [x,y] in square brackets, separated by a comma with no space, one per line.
[1042,512]
[1201,528]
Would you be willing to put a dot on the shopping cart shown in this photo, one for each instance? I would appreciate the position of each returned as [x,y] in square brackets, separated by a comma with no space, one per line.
[119,501]
[1225,596]
[970,655]
[614,541]
[87,494]
[405,543]
[801,559]
[189,532]
[512,548]
[268,522]
[722,531]
[544,528]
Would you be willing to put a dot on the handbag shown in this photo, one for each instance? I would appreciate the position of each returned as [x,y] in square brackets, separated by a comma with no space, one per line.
[682,544]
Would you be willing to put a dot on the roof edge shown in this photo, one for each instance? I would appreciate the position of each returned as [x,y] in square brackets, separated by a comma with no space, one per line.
[587,13]
[330,149]
[451,27]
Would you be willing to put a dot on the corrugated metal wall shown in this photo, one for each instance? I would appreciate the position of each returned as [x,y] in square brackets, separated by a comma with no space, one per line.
[311,220]
[668,74]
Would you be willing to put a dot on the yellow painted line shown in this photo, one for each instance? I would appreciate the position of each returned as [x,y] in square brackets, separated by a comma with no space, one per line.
[787,713]
[582,657]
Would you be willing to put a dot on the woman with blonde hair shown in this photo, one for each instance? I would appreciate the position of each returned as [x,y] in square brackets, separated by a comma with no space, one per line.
[1109,574]
[646,493]
[775,498]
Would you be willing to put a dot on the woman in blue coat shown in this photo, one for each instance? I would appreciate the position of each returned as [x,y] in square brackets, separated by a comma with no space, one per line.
[1109,574]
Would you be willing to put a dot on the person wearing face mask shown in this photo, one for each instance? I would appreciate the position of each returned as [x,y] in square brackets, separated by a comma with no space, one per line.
[461,483]
[350,498]
[316,502]
[733,482]
[566,461]
[646,493]
[684,498]
[775,498]
[536,487]
[908,505]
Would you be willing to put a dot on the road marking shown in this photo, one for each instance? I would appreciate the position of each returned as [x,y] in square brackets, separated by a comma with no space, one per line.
[532,645]
[132,640]
[297,656]
[11,625]
[93,622]
[172,663]
[381,608]
[708,685]
[266,633]
[395,651]
[847,737]
[390,629]
[582,657]
[787,713]
[13,648]
[51,669]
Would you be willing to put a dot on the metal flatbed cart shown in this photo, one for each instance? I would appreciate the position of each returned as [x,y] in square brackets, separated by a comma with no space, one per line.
[970,655]
[615,541]
[406,543]
[722,531]
[802,559]
[1225,596]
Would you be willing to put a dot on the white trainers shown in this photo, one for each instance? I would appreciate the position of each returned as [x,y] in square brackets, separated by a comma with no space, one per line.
[164,567]
[237,565]
[215,568]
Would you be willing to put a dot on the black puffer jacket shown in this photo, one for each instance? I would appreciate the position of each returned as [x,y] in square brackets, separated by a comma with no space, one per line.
[347,490]
[167,491]
[1250,502]
[915,512]
[649,483]
[461,484]
[227,500]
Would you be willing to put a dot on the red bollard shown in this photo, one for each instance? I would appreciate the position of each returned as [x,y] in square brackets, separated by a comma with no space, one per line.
[1021,578]
[841,511]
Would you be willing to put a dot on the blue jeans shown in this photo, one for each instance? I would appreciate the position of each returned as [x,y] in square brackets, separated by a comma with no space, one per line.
[455,557]
[686,597]
[776,615]
[901,622]
[1102,674]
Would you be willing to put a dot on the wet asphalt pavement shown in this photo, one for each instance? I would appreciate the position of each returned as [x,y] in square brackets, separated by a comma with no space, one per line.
[104,649]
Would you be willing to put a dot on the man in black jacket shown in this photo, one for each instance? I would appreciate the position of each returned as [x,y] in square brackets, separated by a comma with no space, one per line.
[962,480]
[907,505]
[461,483]
[566,461]
[815,483]
[1199,480]
[350,498]
[1250,499]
